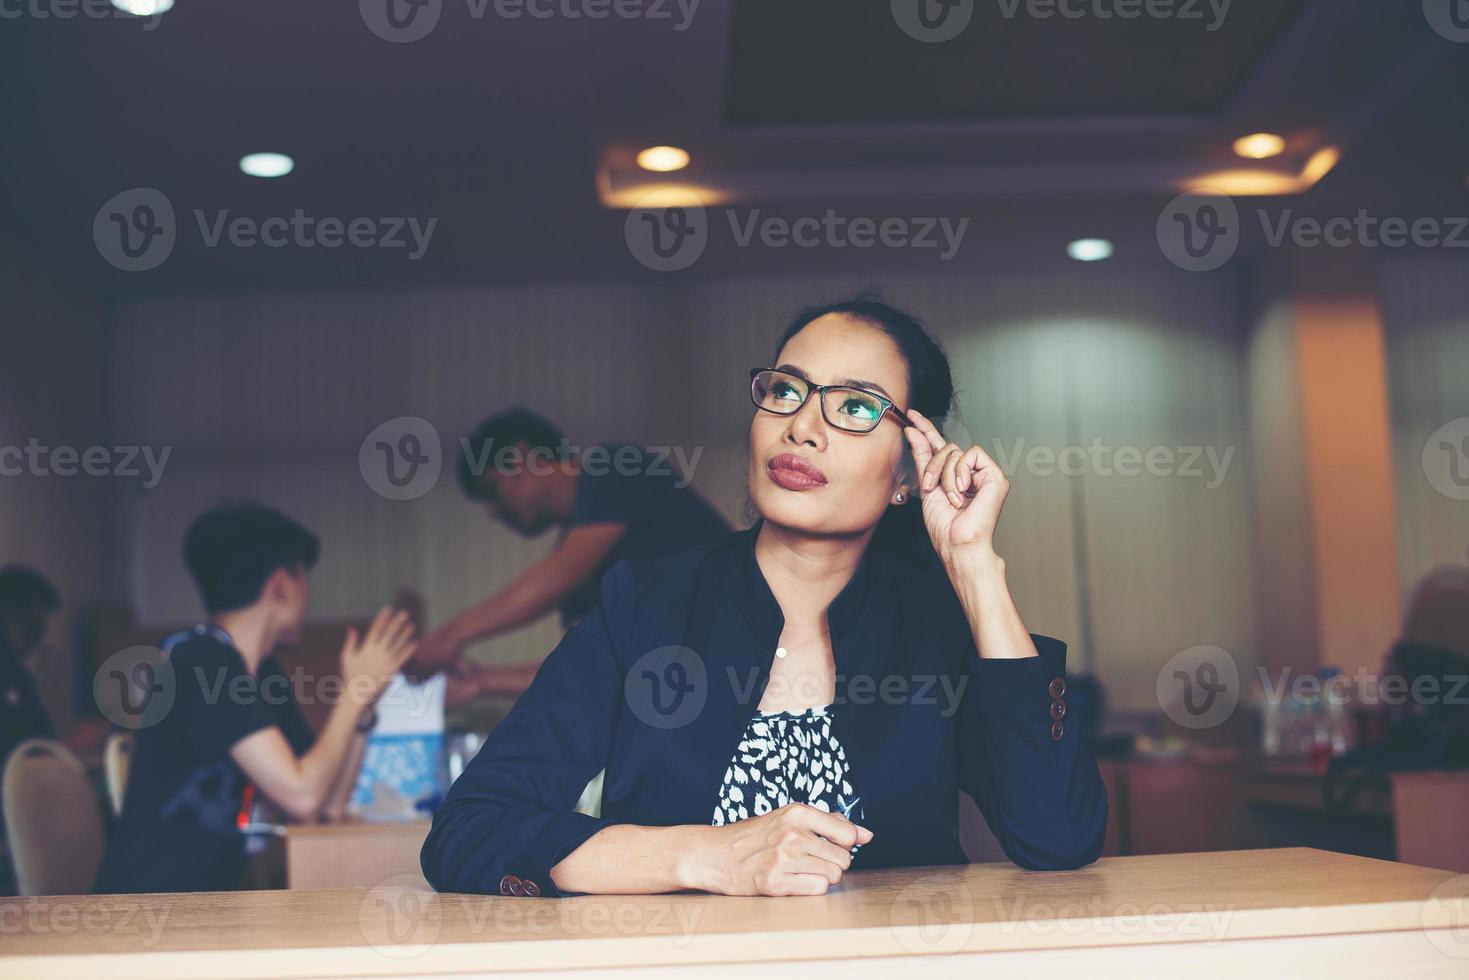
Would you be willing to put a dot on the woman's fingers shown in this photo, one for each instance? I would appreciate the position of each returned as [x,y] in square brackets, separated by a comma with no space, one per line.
[927,429]
[951,476]
[934,470]
[832,826]
[922,451]
[810,864]
[966,478]
[801,885]
[827,851]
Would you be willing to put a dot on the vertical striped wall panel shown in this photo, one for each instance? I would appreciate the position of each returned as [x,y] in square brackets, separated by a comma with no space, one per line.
[270,395]
[1425,300]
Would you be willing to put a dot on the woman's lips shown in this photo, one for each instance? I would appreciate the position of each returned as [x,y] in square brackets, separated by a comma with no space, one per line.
[794,473]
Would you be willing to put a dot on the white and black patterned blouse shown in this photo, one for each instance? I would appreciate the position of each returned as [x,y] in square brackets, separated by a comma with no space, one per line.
[787,757]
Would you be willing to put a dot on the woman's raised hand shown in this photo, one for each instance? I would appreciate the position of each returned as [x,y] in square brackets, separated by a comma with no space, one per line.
[961,491]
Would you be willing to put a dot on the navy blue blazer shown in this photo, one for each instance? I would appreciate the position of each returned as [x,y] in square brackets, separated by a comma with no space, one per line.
[658,681]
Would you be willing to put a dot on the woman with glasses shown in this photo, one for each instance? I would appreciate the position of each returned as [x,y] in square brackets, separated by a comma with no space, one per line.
[806,696]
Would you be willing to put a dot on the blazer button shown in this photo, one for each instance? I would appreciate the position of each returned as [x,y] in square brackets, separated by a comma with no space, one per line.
[517,887]
[1058,687]
[506,882]
[1056,729]
[532,890]
[1058,709]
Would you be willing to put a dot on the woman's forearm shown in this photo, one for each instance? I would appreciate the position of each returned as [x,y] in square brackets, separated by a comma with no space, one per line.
[627,859]
[999,632]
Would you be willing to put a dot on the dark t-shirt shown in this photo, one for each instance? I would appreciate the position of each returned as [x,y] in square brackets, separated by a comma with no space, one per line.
[643,489]
[178,831]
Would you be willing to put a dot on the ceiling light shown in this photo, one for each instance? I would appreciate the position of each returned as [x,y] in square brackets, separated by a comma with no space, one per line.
[267,164]
[1090,249]
[1259,146]
[663,159]
[143,8]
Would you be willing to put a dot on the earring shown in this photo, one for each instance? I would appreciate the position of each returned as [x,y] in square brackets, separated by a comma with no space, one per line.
[899,498]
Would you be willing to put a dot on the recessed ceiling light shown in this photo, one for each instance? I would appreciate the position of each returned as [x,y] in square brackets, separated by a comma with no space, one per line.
[663,159]
[267,164]
[1090,249]
[1259,146]
[143,8]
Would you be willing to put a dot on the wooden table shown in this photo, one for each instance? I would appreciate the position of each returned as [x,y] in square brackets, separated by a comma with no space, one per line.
[352,853]
[1293,912]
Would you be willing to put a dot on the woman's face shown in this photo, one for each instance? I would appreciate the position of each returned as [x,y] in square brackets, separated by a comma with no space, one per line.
[855,475]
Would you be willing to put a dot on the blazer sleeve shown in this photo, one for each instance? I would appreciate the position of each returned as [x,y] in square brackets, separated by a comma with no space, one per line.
[510,814]
[1031,773]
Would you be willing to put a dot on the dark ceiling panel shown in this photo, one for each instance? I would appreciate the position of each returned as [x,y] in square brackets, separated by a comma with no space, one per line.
[849,61]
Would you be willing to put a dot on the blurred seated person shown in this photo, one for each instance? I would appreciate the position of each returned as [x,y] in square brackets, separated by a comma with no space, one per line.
[27,603]
[234,720]
[607,502]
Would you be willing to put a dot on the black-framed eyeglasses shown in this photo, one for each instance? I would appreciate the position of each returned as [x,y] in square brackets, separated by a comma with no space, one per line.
[843,406]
